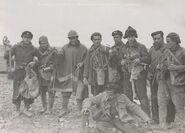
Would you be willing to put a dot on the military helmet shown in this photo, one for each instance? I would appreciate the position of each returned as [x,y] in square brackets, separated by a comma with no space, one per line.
[130,32]
[27,34]
[72,33]
[43,39]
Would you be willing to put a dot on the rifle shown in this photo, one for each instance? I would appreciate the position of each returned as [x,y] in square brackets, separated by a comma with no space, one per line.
[8,46]
[171,59]
[134,69]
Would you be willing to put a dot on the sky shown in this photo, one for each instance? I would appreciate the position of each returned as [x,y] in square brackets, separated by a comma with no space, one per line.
[55,18]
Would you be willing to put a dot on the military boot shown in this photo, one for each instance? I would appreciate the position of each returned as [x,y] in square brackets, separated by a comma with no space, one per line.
[44,102]
[79,106]
[27,112]
[17,113]
[65,110]
[51,102]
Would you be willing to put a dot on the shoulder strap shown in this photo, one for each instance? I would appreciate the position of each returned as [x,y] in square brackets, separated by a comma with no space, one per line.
[48,57]
[173,56]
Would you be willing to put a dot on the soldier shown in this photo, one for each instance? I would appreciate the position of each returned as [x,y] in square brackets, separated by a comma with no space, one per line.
[156,52]
[173,65]
[24,53]
[135,61]
[110,111]
[96,64]
[69,72]
[115,56]
[46,70]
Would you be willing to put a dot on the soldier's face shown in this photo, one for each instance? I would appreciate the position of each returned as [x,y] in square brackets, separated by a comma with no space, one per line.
[97,40]
[171,44]
[73,40]
[26,40]
[43,46]
[131,39]
[117,38]
[158,39]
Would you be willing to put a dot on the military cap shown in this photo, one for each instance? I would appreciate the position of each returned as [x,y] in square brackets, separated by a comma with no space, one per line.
[72,33]
[174,37]
[43,39]
[27,34]
[157,32]
[130,32]
[117,32]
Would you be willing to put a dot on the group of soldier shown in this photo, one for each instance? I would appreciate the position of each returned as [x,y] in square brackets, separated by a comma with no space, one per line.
[116,76]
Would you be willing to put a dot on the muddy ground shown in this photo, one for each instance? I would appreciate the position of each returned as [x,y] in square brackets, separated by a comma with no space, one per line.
[40,123]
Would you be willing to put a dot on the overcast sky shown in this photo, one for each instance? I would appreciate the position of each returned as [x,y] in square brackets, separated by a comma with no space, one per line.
[55,18]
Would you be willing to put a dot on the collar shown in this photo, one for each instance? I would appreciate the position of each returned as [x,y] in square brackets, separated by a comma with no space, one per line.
[158,46]
[133,45]
[49,49]
[94,47]
[24,44]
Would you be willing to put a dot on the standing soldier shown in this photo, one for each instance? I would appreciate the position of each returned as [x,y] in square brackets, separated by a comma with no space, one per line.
[116,54]
[96,65]
[173,66]
[69,72]
[156,52]
[24,53]
[135,61]
[115,57]
[46,69]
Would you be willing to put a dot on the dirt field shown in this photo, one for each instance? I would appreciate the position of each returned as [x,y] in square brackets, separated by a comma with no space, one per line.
[40,123]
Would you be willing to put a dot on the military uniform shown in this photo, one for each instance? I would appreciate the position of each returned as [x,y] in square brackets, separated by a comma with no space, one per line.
[96,56]
[173,90]
[69,76]
[172,80]
[109,110]
[47,59]
[137,51]
[24,54]
[156,54]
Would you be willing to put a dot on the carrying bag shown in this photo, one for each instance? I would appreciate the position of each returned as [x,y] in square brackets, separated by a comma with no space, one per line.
[29,87]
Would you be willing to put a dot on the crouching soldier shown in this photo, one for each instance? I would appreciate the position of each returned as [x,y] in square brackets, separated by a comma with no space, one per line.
[46,71]
[24,53]
[110,111]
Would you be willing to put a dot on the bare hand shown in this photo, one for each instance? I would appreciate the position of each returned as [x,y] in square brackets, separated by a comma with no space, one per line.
[79,64]
[137,60]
